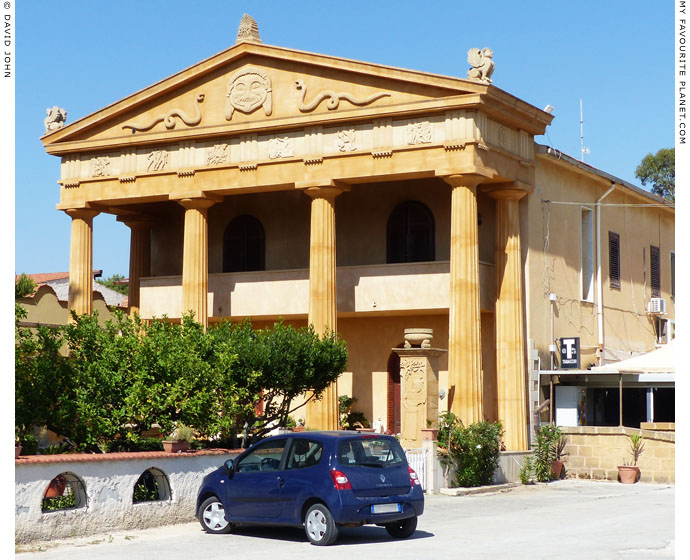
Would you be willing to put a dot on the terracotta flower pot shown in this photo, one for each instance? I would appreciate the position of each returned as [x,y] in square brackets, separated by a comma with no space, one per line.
[628,475]
[17,451]
[56,488]
[557,468]
[175,446]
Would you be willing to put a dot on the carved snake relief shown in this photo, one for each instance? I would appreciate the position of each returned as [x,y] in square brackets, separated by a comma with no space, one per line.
[169,119]
[334,100]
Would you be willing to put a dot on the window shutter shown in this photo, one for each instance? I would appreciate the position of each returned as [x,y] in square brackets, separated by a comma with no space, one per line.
[673,274]
[655,270]
[614,261]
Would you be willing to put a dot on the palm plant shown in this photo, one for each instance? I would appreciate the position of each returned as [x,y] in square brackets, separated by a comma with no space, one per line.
[636,447]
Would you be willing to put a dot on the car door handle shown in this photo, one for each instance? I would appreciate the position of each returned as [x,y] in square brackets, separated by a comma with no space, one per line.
[281,481]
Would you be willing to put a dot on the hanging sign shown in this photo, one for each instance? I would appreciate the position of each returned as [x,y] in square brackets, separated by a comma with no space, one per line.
[570,353]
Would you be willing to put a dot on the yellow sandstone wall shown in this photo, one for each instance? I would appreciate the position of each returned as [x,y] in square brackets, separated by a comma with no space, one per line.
[595,453]
[627,327]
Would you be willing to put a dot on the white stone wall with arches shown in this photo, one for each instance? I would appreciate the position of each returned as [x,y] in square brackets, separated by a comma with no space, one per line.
[108,482]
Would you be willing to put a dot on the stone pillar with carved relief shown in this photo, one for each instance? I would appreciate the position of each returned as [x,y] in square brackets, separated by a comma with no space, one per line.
[80,299]
[464,324]
[195,258]
[419,368]
[139,257]
[323,414]
[510,339]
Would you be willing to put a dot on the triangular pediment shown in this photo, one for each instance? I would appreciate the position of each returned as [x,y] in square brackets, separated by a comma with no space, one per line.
[252,87]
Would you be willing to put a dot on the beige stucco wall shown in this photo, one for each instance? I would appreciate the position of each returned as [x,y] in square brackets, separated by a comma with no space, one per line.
[398,288]
[596,452]
[551,234]
[45,308]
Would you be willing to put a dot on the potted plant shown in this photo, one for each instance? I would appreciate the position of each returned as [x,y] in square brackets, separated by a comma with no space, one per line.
[179,440]
[558,450]
[300,425]
[429,433]
[17,445]
[630,474]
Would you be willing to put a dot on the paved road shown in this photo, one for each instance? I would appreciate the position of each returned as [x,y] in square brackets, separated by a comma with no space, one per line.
[565,519]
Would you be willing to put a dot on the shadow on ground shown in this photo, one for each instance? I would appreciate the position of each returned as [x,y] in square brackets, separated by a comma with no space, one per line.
[347,535]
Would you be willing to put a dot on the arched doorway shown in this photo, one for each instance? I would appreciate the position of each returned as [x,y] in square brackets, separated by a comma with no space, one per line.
[393,393]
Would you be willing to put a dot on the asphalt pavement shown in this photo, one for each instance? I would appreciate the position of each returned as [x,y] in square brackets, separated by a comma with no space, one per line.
[564,519]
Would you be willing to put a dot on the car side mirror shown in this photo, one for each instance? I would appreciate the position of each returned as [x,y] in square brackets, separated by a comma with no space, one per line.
[230,467]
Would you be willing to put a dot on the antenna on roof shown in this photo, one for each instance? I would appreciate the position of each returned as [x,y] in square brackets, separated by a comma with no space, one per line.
[583,149]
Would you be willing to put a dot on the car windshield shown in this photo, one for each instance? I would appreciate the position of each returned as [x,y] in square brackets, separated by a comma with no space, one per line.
[370,452]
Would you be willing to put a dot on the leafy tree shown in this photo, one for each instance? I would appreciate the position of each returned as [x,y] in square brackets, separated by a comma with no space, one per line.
[282,363]
[120,379]
[40,375]
[24,286]
[659,170]
[112,283]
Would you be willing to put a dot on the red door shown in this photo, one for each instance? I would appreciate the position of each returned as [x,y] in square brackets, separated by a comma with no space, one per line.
[393,416]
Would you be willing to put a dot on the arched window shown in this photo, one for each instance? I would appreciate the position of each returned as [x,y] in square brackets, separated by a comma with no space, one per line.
[65,491]
[244,245]
[410,234]
[152,486]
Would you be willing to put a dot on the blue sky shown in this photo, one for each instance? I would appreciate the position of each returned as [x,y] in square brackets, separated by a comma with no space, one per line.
[617,56]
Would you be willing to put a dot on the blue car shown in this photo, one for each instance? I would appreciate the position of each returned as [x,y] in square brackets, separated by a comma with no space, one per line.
[317,480]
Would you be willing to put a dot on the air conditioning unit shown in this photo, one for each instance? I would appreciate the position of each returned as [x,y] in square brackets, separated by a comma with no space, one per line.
[656,306]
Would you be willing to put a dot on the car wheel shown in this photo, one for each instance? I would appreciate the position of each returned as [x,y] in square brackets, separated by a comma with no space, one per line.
[320,526]
[403,528]
[212,517]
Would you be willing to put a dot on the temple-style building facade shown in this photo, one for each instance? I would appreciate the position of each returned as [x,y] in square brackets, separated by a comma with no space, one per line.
[266,182]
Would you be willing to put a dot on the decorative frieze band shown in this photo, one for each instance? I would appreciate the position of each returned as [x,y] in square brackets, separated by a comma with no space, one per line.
[382,137]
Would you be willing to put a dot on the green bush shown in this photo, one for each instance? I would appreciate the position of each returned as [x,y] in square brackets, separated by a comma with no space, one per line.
[67,501]
[473,450]
[120,379]
[527,470]
[29,444]
[350,420]
[550,442]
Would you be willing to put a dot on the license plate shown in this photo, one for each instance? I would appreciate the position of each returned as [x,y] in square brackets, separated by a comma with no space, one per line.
[385,508]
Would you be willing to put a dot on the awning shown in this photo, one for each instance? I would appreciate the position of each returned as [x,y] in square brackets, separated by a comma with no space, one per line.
[662,360]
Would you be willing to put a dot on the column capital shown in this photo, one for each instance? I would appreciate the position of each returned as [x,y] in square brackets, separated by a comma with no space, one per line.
[322,189]
[196,203]
[469,180]
[138,221]
[508,191]
[82,213]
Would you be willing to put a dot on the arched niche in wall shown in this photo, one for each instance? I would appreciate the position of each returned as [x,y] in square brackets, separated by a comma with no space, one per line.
[152,486]
[65,491]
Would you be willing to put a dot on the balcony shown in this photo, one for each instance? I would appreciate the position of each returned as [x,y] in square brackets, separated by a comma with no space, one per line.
[381,289]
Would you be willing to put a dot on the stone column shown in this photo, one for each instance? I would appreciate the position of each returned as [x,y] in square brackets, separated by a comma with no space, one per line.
[139,257]
[81,260]
[323,414]
[418,393]
[510,339]
[195,258]
[464,325]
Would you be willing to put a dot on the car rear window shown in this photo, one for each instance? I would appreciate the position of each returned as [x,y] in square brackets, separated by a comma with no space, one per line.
[370,452]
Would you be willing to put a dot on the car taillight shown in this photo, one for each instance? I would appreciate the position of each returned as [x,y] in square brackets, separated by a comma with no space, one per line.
[414,479]
[340,480]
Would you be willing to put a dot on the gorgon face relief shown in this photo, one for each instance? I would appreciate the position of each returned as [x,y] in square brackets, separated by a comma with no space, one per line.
[248,90]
